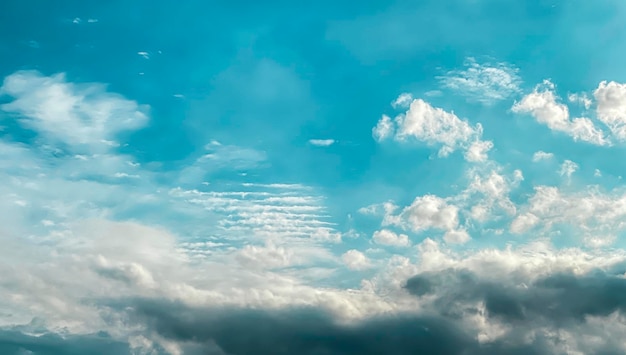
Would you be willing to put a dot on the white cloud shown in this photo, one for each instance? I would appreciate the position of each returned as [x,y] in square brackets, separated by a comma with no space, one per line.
[74,114]
[477,151]
[484,83]
[543,105]
[488,190]
[384,129]
[403,101]
[611,110]
[435,127]
[568,168]
[541,155]
[595,216]
[387,237]
[581,99]
[322,142]
[427,212]
[279,211]
[456,236]
[355,260]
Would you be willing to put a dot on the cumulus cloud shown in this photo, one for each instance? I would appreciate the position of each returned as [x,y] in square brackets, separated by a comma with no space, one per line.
[504,301]
[427,212]
[477,151]
[596,216]
[355,260]
[384,128]
[434,127]
[485,83]
[387,237]
[611,107]
[543,104]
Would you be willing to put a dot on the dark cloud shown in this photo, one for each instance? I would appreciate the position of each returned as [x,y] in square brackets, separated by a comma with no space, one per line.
[16,342]
[311,331]
[557,298]
[557,302]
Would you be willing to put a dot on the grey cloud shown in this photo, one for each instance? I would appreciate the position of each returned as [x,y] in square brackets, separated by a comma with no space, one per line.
[535,314]
[15,342]
[539,309]
[557,297]
[310,331]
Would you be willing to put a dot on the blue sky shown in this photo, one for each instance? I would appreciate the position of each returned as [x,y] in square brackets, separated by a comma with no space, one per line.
[267,157]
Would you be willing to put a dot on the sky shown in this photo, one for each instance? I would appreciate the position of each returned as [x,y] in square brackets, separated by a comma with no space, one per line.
[239,177]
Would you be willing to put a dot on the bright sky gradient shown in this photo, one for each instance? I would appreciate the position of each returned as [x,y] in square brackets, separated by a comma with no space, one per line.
[331,177]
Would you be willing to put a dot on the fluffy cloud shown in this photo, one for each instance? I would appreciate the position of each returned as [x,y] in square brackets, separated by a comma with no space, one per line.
[592,214]
[544,106]
[477,151]
[436,128]
[384,128]
[506,301]
[387,237]
[355,260]
[611,109]
[427,212]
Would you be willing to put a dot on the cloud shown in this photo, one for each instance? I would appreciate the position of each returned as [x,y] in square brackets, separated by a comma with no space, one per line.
[581,99]
[436,128]
[591,213]
[16,342]
[384,128]
[611,109]
[477,151]
[459,236]
[402,101]
[389,238]
[507,301]
[322,142]
[219,157]
[302,331]
[427,212]
[355,260]
[72,114]
[541,155]
[540,308]
[568,168]
[544,106]
[485,83]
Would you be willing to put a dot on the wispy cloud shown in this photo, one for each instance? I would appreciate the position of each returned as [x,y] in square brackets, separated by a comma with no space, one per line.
[486,83]
[73,114]
[322,142]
